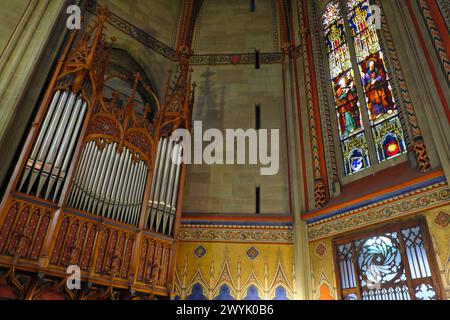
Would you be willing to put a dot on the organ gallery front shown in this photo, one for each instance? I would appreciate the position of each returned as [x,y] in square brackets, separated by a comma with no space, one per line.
[107,193]
[94,156]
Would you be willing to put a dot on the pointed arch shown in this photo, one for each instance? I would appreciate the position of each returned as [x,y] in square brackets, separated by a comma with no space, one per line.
[324,289]
[280,281]
[252,281]
[225,278]
[224,293]
[198,278]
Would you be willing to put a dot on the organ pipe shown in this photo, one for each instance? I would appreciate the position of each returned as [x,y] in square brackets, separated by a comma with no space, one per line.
[175,187]
[116,153]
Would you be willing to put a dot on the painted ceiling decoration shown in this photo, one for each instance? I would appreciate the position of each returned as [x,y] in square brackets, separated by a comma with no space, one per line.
[191,11]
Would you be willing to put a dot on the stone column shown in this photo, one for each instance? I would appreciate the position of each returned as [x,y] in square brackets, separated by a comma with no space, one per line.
[302,269]
[24,66]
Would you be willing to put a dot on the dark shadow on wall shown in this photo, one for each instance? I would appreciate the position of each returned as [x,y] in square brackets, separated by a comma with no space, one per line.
[209,108]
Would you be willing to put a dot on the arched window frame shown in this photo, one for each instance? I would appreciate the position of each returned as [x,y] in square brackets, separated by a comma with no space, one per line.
[375,164]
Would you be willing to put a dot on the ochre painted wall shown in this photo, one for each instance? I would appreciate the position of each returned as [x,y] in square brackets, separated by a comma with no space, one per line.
[229,263]
[322,268]
[438,221]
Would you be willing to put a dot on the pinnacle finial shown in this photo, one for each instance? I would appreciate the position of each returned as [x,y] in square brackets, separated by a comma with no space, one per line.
[103,13]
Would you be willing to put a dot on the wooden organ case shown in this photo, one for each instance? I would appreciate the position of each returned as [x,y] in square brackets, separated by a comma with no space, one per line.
[95,186]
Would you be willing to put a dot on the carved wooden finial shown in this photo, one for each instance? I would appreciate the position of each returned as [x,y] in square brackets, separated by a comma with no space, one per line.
[103,13]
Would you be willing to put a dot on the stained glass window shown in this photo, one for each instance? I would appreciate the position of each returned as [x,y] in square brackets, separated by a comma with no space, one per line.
[393,264]
[370,111]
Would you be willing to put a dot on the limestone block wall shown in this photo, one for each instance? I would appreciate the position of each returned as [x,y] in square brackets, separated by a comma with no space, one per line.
[228,27]
[156,17]
[226,96]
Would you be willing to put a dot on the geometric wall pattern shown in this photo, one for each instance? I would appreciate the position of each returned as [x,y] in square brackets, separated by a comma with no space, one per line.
[234,271]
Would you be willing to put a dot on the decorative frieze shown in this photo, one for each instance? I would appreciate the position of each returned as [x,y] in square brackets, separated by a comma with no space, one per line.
[409,203]
[237,234]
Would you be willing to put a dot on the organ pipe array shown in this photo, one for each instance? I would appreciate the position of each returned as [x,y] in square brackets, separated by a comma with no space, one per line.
[112,173]
[177,110]
[77,82]
[109,184]
[46,168]
[164,193]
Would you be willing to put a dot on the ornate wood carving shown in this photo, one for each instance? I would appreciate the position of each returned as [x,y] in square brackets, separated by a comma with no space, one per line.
[124,126]
[23,229]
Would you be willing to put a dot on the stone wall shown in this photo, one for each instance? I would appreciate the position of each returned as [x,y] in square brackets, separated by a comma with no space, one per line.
[225,99]
[156,17]
[228,27]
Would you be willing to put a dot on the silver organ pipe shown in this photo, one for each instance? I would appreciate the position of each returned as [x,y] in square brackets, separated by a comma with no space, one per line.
[153,205]
[96,178]
[86,156]
[175,186]
[109,183]
[136,191]
[65,164]
[164,192]
[168,197]
[155,176]
[107,205]
[112,207]
[123,187]
[102,196]
[46,168]
[137,201]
